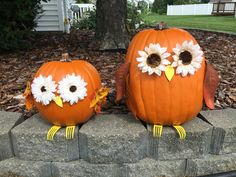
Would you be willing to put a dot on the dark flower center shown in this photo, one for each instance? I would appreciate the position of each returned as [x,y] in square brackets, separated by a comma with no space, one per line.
[153,60]
[73,88]
[186,57]
[43,89]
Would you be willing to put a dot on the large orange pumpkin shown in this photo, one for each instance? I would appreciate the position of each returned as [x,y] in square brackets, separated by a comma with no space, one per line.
[154,98]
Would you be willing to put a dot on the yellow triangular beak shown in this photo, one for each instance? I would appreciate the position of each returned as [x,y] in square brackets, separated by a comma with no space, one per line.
[169,72]
[58,101]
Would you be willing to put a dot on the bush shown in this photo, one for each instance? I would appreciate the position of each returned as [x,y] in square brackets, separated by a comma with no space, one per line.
[17,21]
[87,22]
[133,16]
[159,6]
[143,6]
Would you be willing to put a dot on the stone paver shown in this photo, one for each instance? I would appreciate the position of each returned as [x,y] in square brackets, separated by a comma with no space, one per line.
[211,164]
[7,121]
[152,168]
[224,133]
[21,168]
[29,142]
[82,168]
[169,146]
[113,138]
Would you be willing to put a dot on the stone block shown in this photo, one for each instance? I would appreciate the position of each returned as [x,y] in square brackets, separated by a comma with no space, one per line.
[152,168]
[7,121]
[224,132]
[113,138]
[169,146]
[30,143]
[211,164]
[82,168]
[19,168]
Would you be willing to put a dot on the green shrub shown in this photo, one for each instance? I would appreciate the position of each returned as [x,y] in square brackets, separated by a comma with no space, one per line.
[87,22]
[143,6]
[133,16]
[17,20]
[159,6]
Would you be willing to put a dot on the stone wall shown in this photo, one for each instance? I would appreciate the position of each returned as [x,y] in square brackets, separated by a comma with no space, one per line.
[117,146]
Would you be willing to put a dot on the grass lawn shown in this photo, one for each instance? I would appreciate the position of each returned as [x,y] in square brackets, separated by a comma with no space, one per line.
[215,23]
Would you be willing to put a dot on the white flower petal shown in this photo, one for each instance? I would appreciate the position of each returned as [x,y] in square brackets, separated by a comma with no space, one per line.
[191,70]
[140,59]
[197,57]
[150,71]
[162,67]
[43,88]
[165,62]
[176,51]
[196,65]
[64,88]
[142,53]
[179,70]
[184,71]
[165,55]
[174,64]
[158,72]
[153,49]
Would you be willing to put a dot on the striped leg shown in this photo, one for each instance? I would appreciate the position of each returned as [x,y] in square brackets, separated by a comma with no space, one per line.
[70,131]
[52,131]
[157,130]
[181,131]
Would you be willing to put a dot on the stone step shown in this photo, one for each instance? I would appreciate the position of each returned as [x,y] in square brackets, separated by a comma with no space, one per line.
[210,164]
[223,139]
[7,121]
[19,168]
[30,143]
[169,146]
[111,144]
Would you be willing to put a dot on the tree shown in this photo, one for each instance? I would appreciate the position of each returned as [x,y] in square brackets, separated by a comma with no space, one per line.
[111,30]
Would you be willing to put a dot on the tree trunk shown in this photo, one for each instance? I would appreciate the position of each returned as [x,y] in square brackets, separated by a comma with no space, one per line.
[111,31]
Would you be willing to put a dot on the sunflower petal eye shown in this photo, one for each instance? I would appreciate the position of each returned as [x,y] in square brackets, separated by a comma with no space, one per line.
[72,88]
[153,59]
[187,58]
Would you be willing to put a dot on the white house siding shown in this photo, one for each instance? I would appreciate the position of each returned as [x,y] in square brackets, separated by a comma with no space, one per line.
[52,17]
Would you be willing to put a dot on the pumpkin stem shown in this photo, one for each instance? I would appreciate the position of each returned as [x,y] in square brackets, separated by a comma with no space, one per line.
[161,26]
[65,57]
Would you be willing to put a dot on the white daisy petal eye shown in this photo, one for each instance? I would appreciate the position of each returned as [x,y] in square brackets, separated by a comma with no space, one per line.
[43,89]
[153,59]
[187,58]
[72,88]
[142,53]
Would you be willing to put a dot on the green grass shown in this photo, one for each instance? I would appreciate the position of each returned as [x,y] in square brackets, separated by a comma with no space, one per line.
[214,23]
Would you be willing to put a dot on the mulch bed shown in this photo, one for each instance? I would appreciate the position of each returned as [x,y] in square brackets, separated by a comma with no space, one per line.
[16,68]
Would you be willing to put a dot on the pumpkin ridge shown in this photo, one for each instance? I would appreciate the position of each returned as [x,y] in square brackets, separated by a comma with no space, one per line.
[141,76]
[138,99]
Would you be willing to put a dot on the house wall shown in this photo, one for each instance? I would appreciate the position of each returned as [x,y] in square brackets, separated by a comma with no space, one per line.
[52,17]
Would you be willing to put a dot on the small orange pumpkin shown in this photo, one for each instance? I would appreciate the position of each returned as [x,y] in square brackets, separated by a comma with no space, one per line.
[65,92]
[75,113]
[155,91]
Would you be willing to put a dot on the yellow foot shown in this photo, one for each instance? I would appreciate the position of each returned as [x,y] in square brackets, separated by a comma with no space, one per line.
[157,130]
[70,131]
[181,131]
[52,131]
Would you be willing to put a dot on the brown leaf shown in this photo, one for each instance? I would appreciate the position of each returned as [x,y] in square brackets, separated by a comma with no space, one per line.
[121,74]
[211,82]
